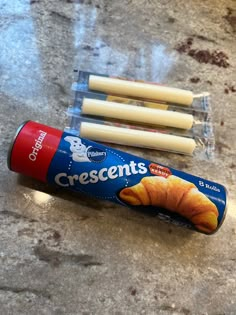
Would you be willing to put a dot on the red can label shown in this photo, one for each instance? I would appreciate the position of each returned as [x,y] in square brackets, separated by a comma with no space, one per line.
[34,149]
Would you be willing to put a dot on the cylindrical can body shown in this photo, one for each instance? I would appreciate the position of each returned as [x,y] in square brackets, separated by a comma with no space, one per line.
[56,157]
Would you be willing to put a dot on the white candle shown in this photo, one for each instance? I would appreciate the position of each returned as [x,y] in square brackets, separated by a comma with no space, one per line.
[141,90]
[131,137]
[137,113]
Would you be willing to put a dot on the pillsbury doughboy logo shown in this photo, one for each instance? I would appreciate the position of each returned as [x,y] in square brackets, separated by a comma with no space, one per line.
[78,149]
[81,153]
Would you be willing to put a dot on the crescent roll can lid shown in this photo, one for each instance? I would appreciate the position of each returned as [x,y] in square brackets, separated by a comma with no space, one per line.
[32,149]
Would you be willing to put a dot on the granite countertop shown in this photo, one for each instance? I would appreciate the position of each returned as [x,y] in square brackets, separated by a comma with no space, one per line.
[64,253]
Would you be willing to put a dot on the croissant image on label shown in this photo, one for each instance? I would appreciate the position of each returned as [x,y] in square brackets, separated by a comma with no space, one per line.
[176,195]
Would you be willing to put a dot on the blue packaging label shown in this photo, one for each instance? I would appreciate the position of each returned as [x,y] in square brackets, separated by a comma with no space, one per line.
[109,174]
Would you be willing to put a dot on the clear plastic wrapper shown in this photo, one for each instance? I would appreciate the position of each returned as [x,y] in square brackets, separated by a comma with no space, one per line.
[199,102]
[140,122]
[201,114]
[200,144]
[91,104]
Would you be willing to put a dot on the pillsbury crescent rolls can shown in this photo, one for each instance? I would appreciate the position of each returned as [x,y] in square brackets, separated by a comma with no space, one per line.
[53,156]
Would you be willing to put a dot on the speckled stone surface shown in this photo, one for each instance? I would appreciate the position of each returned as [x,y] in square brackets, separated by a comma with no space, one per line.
[62,253]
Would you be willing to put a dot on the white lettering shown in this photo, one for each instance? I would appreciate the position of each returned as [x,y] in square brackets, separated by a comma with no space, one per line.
[35,151]
[93,177]
[132,166]
[32,157]
[37,146]
[112,172]
[83,178]
[104,174]
[123,168]
[101,175]
[72,179]
[58,179]
[142,168]
[94,154]
[212,187]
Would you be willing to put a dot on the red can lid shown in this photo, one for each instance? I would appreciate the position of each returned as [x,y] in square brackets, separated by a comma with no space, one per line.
[33,148]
